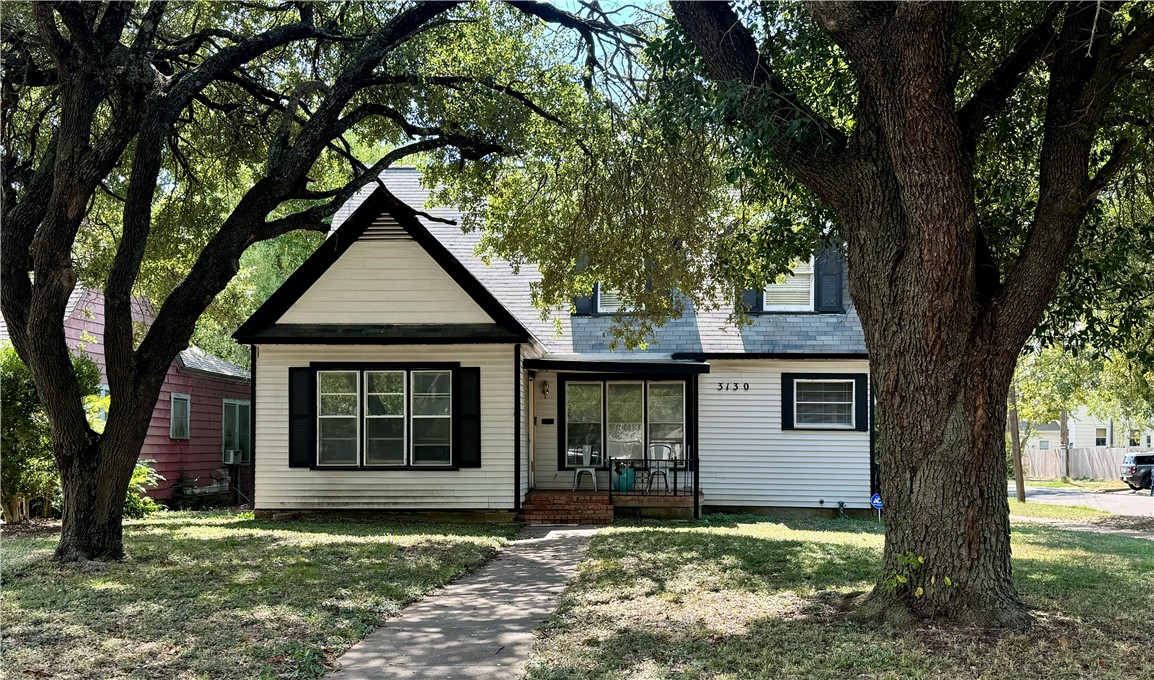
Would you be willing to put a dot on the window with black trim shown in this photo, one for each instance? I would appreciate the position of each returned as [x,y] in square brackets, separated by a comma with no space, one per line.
[383,418]
[383,415]
[179,416]
[611,419]
[825,401]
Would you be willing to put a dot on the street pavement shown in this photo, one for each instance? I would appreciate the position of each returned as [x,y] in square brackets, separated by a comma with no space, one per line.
[1118,502]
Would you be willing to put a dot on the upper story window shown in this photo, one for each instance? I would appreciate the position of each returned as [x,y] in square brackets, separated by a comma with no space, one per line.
[793,294]
[179,416]
[1100,436]
[608,301]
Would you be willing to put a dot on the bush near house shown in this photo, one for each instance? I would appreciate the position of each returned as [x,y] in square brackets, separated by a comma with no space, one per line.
[222,596]
[27,468]
[754,597]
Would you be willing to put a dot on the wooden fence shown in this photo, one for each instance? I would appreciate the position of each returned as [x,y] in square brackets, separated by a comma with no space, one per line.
[1100,462]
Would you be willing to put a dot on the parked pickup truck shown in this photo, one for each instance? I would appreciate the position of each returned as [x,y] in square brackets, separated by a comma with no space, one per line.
[1137,469]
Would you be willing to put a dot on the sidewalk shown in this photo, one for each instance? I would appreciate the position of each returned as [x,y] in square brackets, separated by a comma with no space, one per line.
[480,626]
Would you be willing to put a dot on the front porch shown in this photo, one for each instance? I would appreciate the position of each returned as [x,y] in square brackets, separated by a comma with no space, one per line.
[562,506]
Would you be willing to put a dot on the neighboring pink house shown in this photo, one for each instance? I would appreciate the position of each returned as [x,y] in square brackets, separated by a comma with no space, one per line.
[200,435]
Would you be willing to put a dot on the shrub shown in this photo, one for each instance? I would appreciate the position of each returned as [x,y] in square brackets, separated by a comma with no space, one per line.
[144,477]
[27,466]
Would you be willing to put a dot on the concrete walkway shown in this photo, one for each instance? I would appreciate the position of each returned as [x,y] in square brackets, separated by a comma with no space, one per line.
[480,626]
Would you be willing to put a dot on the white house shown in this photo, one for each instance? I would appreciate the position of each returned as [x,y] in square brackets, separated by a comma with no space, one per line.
[1088,431]
[396,371]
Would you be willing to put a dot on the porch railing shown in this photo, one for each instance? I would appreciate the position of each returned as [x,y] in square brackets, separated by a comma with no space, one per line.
[652,477]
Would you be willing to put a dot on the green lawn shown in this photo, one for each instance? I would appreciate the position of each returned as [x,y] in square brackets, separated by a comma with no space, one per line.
[745,597]
[1050,511]
[1079,484]
[222,596]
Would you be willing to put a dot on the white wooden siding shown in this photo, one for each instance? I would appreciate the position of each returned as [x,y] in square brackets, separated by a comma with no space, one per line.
[385,281]
[746,459]
[546,474]
[280,487]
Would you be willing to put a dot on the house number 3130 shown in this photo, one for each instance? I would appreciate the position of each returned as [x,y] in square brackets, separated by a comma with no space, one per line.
[732,387]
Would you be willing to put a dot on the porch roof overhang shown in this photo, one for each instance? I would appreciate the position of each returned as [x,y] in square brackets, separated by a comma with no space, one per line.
[617,364]
[382,334]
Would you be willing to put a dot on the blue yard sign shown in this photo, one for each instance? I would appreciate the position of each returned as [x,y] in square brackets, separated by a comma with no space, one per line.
[876,501]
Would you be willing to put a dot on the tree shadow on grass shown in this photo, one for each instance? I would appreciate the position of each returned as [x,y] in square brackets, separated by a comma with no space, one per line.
[248,600]
[774,609]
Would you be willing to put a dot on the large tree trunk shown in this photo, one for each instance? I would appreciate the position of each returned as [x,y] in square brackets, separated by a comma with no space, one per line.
[93,507]
[942,453]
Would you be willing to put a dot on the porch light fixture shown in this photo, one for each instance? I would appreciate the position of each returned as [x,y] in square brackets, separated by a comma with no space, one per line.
[545,388]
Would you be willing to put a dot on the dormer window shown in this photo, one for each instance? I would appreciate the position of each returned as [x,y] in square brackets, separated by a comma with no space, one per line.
[814,286]
[793,294]
[608,301]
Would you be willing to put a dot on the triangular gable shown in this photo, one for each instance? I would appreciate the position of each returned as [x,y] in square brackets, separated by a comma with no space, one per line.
[353,231]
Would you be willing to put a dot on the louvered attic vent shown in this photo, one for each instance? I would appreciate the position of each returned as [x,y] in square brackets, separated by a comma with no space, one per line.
[385,228]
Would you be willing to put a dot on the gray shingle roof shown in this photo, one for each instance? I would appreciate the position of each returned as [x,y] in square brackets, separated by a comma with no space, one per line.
[196,359]
[706,332]
[74,299]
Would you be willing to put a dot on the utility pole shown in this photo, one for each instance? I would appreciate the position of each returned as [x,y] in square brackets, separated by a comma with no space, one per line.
[1065,434]
[1016,445]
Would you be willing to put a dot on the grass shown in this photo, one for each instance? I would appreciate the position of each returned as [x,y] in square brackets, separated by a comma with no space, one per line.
[222,596]
[746,597]
[1077,484]
[1050,511]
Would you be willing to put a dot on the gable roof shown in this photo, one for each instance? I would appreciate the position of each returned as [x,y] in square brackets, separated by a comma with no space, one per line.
[262,324]
[697,334]
[197,360]
[74,298]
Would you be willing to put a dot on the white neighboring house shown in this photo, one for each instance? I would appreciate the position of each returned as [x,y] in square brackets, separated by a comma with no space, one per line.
[396,371]
[1087,431]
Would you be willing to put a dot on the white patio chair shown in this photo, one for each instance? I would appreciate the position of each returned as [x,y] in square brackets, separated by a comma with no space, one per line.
[587,460]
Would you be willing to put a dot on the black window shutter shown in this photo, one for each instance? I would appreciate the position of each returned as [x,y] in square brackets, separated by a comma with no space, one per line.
[787,401]
[828,281]
[752,300]
[861,403]
[583,305]
[302,417]
[467,407]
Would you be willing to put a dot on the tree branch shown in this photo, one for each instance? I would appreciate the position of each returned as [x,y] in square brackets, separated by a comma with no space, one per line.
[731,58]
[1119,157]
[1139,42]
[992,96]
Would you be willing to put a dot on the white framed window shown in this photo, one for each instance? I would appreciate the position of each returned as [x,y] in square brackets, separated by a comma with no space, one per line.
[608,301]
[1100,436]
[432,417]
[794,293]
[622,419]
[385,400]
[1043,444]
[824,404]
[338,417]
[179,416]
[236,434]
[1135,438]
[666,402]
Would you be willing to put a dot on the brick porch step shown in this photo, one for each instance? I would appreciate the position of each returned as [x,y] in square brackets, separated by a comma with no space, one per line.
[566,507]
